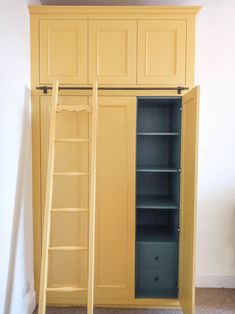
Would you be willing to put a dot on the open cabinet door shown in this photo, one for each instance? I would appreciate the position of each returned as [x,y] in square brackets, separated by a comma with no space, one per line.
[188,200]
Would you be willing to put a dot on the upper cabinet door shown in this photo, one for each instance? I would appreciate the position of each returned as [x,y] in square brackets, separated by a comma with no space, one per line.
[112,51]
[63,51]
[162,52]
[188,200]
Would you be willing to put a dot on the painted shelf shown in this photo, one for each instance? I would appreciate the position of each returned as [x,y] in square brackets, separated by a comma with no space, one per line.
[155,202]
[157,133]
[153,168]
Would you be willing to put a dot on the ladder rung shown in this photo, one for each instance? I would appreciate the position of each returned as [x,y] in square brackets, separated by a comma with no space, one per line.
[68,248]
[71,108]
[66,289]
[70,210]
[72,140]
[71,174]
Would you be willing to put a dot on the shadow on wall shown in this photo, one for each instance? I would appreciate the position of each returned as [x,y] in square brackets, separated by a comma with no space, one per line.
[123,2]
[19,265]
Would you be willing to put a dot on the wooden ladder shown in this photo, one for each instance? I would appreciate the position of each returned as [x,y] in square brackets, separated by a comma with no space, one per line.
[49,210]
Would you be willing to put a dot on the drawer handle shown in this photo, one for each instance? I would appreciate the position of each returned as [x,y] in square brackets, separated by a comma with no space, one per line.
[156,258]
[156,279]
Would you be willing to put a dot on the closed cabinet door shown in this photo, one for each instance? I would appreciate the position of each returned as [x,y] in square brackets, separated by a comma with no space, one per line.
[115,214]
[162,52]
[112,51]
[63,51]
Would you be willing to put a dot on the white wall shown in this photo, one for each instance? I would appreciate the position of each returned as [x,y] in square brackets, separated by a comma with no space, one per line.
[16,259]
[215,72]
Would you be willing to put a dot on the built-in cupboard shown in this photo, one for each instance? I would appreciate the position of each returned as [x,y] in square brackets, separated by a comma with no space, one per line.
[146,152]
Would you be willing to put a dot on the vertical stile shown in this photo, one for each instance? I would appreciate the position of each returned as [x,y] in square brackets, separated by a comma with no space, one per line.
[48,202]
[92,200]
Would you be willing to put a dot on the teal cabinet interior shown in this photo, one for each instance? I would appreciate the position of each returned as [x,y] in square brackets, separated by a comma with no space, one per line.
[157,196]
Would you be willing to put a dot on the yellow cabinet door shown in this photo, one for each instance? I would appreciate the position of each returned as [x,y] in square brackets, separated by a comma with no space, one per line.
[112,51]
[63,51]
[115,220]
[67,268]
[162,52]
[188,200]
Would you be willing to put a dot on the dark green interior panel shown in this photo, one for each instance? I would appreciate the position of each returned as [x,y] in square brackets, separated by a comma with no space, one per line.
[157,196]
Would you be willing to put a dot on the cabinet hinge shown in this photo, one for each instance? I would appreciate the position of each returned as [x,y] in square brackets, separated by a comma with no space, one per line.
[179,229]
[181,108]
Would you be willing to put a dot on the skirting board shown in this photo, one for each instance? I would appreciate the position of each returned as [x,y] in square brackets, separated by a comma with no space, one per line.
[29,302]
[215,281]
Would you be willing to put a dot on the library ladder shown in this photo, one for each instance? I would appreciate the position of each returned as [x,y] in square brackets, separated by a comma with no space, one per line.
[49,210]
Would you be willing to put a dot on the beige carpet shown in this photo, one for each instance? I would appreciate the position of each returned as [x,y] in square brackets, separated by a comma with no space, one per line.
[208,301]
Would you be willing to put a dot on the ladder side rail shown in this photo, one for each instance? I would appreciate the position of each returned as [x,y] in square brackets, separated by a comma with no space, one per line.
[48,201]
[92,200]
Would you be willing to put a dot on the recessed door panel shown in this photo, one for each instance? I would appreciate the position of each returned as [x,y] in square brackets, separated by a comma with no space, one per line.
[112,51]
[162,52]
[63,51]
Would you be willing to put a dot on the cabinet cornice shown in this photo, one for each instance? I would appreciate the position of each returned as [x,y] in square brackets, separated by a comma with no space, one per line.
[113,10]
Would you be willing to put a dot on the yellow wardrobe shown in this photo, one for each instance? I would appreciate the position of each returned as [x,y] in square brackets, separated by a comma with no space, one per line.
[143,60]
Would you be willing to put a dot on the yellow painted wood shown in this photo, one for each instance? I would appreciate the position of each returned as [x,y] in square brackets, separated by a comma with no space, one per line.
[64,17]
[75,224]
[115,222]
[63,51]
[190,53]
[162,52]
[72,140]
[58,276]
[69,157]
[114,10]
[68,248]
[62,299]
[48,202]
[62,108]
[92,200]
[112,51]
[67,289]
[71,174]
[188,200]
[70,210]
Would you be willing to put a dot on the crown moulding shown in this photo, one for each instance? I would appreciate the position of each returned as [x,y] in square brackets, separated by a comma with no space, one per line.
[113,9]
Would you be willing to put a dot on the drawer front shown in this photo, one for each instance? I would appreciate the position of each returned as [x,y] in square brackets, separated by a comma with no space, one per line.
[157,255]
[151,280]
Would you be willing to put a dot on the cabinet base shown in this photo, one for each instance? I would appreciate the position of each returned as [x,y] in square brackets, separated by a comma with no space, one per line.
[132,303]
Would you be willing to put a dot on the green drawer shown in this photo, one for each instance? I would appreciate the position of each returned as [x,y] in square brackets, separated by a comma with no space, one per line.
[152,255]
[161,282]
